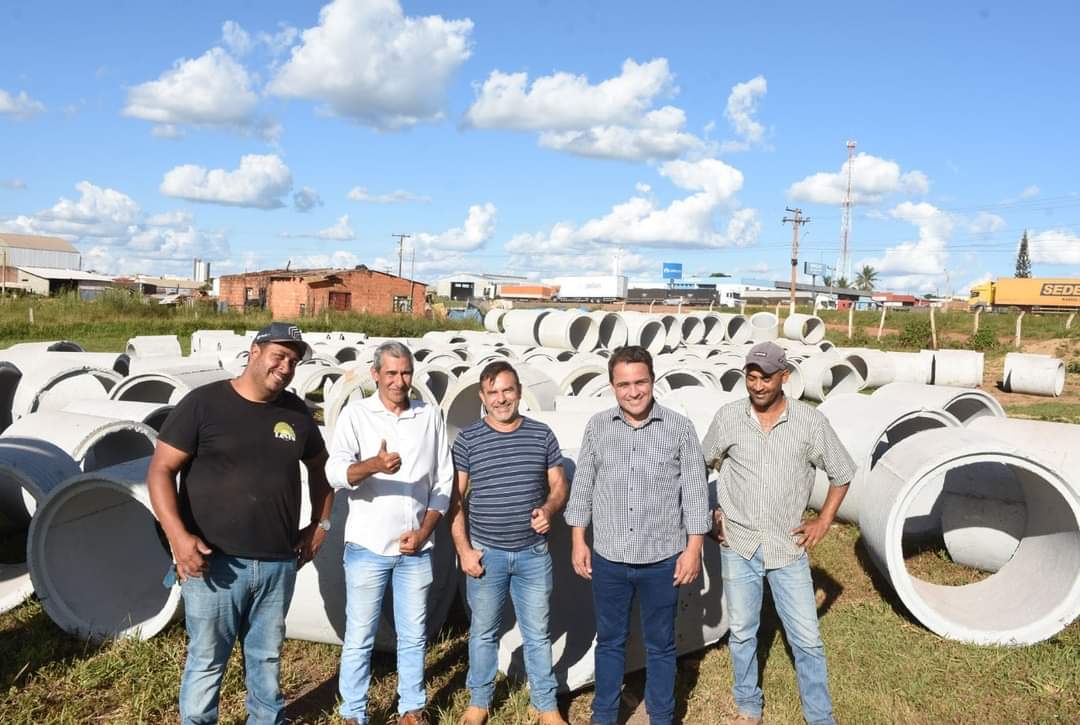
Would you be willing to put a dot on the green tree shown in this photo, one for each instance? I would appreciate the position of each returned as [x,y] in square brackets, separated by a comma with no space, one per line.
[1023,261]
[841,281]
[719,274]
[865,278]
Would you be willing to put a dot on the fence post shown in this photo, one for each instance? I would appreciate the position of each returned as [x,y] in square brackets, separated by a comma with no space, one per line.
[679,311]
[31,315]
[651,303]
[881,325]
[1019,324]
[978,311]
[850,320]
[742,307]
[933,328]
[1068,322]
[777,312]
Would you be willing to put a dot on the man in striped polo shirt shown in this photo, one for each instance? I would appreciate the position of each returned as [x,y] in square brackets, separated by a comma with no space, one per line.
[510,482]
[640,482]
[766,449]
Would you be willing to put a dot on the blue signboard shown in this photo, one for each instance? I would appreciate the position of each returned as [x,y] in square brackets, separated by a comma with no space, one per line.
[672,270]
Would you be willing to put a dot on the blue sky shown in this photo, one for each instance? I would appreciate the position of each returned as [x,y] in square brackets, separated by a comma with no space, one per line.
[544,138]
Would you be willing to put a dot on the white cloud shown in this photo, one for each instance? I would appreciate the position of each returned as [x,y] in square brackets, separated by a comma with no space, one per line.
[755,268]
[211,91]
[306,199]
[642,188]
[235,38]
[13,184]
[340,231]
[260,182]
[340,259]
[872,179]
[20,107]
[1054,246]
[600,262]
[166,130]
[986,223]
[612,119]
[177,218]
[98,212]
[742,105]
[916,265]
[479,227]
[370,63]
[277,43]
[1029,192]
[360,193]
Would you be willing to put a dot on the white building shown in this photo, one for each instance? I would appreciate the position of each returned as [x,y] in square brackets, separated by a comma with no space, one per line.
[33,250]
[466,285]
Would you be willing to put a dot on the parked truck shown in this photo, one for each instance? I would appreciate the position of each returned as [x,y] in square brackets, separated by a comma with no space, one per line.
[1026,293]
[597,288]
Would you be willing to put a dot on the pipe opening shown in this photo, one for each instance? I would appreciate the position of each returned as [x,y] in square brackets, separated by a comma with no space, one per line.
[117,446]
[840,378]
[9,382]
[437,382]
[150,390]
[901,429]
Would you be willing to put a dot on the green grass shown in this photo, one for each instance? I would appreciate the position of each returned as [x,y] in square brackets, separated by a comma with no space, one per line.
[1053,411]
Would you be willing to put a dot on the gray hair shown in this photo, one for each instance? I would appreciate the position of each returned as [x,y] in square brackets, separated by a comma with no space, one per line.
[393,348]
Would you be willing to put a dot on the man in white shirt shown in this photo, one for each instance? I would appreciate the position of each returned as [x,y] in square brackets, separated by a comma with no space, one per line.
[391,454]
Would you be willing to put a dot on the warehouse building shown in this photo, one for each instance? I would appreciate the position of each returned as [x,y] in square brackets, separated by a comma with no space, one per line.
[33,250]
[50,282]
[467,286]
[294,293]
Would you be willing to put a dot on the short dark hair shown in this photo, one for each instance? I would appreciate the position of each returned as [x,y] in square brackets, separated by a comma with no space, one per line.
[629,354]
[493,369]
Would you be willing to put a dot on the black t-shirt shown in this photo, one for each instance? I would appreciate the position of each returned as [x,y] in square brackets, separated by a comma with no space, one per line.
[240,492]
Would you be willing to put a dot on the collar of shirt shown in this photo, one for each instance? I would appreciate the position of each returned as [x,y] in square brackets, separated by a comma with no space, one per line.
[656,412]
[756,423]
[375,405]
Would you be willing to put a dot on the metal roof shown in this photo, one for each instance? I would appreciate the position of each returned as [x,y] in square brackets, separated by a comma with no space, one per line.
[35,241]
[72,274]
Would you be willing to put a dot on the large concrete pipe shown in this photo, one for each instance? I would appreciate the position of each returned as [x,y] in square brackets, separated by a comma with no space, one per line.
[966,404]
[493,319]
[809,329]
[913,367]
[582,404]
[700,405]
[568,330]
[672,331]
[92,441]
[730,377]
[152,414]
[828,374]
[314,378]
[436,378]
[1033,374]
[523,326]
[139,365]
[692,328]
[97,558]
[206,341]
[29,469]
[958,368]
[648,331]
[611,328]
[764,326]
[166,386]
[714,329]
[573,376]
[462,405]
[539,355]
[1035,595]
[55,379]
[737,329]
[43,346]
[15,585]
[151,345]
[873,366]
[869,426]
[794,387]
[686,376]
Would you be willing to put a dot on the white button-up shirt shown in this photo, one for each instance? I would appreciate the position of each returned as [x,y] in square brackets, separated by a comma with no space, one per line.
[384,506]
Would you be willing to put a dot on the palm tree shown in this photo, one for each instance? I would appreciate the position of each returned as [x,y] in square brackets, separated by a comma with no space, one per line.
[866,278]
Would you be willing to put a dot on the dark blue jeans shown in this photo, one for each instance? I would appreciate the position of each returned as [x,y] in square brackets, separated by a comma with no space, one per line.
[614,586]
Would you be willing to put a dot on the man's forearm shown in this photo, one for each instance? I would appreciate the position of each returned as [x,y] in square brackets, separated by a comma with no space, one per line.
[362,470]
[832,502]
[164,502]
[695,542]
[427,526]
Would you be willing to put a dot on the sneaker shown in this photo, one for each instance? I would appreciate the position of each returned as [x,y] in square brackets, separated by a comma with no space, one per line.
[548,717]
[474,716]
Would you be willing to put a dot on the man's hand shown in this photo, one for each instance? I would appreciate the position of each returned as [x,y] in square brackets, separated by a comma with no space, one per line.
[386,462]
[411,541]
[312,537]
[581,557]
[540,523]
[812,531]
[687,566]
[471,562]
[717,533]
[190,553]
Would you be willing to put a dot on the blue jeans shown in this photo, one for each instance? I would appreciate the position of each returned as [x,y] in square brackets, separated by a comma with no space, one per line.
[793,594]
[526,575]
[614,586]
[236,599]
[366,576]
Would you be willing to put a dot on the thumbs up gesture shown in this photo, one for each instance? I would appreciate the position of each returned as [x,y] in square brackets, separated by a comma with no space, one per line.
[386,462]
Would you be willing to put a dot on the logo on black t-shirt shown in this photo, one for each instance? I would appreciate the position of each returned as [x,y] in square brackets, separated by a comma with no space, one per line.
[284,432]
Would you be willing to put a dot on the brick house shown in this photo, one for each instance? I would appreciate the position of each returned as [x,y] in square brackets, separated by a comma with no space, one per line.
[299,292]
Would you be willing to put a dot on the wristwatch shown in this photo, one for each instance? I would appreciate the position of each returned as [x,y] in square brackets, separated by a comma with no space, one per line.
[324,524]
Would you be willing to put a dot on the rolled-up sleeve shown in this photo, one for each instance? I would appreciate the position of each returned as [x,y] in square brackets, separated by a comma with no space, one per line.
[344,449]
[697,517]
[442,474]
[830,455]
[578,511]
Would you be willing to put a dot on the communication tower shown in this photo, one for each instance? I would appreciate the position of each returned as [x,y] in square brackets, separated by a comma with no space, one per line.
[843,265]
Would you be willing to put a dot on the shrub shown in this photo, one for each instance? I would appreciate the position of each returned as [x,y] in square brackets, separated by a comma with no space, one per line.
[916,333]
[1073,367]
[983,339]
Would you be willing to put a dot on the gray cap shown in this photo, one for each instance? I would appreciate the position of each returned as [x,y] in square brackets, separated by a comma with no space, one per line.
[768,356]
[284,333]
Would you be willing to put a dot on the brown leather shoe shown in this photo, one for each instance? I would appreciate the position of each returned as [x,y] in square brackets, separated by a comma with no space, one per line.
[474,716]
[414,717]
[548,717]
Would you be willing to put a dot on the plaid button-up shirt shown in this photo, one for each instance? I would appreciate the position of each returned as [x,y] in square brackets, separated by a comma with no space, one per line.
[642,489]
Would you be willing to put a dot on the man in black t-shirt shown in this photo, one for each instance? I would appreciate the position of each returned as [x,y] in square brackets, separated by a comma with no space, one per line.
[233,524]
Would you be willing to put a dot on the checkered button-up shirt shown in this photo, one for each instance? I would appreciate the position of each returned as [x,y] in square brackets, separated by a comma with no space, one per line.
[642,489]
[766,478]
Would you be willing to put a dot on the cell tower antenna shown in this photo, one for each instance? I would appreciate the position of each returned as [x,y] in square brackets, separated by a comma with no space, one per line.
[843,265]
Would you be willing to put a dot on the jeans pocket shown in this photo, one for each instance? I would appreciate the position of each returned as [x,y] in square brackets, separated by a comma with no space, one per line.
[540,549]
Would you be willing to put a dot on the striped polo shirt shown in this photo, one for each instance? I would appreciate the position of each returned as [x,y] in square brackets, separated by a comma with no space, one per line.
[507,480]
[766,478]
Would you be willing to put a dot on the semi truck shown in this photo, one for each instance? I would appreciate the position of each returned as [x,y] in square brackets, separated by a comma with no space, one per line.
[1026,293]
[597,288]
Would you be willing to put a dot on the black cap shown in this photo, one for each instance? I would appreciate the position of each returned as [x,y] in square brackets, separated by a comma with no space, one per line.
[282,332]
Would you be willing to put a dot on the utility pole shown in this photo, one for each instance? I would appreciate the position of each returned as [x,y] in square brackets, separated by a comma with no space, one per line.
[400,249]
[796,221]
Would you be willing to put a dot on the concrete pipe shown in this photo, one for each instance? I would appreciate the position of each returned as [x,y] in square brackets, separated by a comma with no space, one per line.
[825,346]
[139,365]
[686,377]
[29,469]
[958,368]
[794,387]
[437,379]
[150,345]
[714,330]
[493,319]
[572,377]
[648,331]
[965,404]
[355,384]
[523,326]
[207,340]
[540,355]
[1033,374]
[672,331]
[43,346]
[462,405]
[15,585]
[809,329]
[581,404]
[92,441]
[828,374]
[692,328]
[443,338]
[55,379]
[868,426]
[700,406]
[729,377]
[97,558]
[737,329]
[598,388]
[569,428]
[873,366]
[152,414]
[913,367]
[764,326]
[314,379]
[1035,595]
[611,328]
[166,386]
